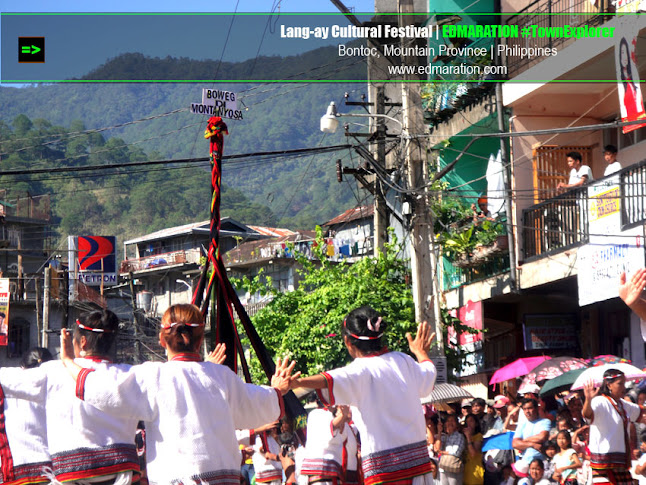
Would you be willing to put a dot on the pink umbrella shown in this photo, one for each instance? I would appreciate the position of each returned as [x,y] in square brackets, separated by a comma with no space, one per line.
[517,368]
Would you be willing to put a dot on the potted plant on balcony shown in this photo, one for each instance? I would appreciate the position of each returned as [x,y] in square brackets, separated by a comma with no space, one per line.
[473,245]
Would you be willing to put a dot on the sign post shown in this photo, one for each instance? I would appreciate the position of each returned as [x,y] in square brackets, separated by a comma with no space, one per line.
[216,102]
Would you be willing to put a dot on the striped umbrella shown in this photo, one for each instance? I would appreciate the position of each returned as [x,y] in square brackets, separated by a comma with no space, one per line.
[445,393]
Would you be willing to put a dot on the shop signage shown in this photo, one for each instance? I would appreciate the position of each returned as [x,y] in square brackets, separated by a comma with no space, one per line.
[601,262]
[4,311]
[469,344]
[550,331]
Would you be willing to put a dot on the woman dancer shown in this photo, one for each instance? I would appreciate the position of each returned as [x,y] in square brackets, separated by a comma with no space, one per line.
[84,443]
[191,408]
[384,389]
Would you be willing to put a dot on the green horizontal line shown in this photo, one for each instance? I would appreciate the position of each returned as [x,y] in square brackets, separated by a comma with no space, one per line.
[294,81]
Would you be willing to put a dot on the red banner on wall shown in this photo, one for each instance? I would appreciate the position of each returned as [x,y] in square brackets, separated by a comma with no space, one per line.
[631,103]
[471,316]
[4,311]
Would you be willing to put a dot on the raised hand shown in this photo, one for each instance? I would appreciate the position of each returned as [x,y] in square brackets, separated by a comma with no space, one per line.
[632,291]
[282,378]
[218,355]
[421,344]
[67,345]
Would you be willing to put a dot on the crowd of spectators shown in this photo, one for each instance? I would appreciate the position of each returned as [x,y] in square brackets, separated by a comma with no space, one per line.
[550,440]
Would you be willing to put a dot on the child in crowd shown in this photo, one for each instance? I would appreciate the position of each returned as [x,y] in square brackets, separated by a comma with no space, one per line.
[508,477]
[566,460]
[384,389]
[537,473]
[550,449]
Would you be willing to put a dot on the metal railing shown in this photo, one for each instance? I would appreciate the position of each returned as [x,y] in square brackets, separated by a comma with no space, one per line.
[159,260]
[541,15]
[633,195]
[454,277]
[26,207]
[556,224]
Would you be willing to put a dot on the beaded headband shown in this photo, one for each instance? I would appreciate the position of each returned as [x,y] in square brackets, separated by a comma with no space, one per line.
[612,374]
[188,324]
[92,329]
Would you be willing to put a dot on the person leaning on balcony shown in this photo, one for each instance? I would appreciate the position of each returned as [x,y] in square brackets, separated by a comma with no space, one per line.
[579,174]
[610,156]
[631,291]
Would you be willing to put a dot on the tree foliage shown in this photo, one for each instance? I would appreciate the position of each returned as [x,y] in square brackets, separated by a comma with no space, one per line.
[123,202]
[305,324]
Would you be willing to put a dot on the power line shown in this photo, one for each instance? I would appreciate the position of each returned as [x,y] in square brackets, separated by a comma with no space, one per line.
[163,162]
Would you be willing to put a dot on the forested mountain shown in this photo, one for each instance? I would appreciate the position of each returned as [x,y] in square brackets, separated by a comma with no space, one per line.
[46,125]
[321,63]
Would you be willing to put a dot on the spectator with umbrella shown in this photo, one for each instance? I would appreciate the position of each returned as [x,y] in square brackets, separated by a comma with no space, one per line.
[609,415]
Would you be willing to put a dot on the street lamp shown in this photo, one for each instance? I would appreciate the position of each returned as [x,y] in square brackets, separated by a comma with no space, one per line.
[190,288]
[330,122]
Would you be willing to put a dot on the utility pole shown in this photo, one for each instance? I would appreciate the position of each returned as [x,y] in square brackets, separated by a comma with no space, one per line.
[135,318]
[39,315]
[377,162]
[46,303]
[381,220]
[506,171]
[423,263]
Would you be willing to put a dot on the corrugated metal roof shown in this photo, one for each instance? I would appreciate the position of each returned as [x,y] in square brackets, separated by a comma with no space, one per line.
[194,228]
[272,231]
[244,251]
[168,232]
[362,212]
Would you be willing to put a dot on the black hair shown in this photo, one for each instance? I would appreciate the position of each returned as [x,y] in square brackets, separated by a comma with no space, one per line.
[550,403]
[540,463]
[628,77]
[479,401]
[550,444]
[475,418]
[98,343]
[574,156]
[567,435]
[610,149]
[34,357]
[355,325]
[527,400]
[608,380]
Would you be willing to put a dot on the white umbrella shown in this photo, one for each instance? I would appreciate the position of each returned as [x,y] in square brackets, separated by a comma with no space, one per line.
[445,393]
[596,374]
[495,185]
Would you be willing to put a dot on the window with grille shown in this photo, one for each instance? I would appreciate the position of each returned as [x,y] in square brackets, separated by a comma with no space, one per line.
[18,337]
[550,167]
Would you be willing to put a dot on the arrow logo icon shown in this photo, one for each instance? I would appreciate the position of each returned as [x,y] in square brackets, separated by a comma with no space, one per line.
[26,49]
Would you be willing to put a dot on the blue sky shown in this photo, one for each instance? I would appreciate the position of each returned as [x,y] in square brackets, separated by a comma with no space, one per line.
[76,44]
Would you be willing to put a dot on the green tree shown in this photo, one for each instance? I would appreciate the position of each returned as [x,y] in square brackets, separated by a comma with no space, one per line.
[306,324]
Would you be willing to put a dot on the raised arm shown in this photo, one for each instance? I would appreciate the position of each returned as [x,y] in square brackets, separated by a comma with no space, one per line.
[632,292]
[590,392]
[311,382]
[421,344]
[67,354]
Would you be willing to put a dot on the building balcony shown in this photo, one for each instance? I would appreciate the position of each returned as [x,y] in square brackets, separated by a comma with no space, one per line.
[183,256]
[27,207]
[563,222]
[540,14]
[455,275]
